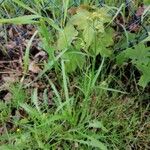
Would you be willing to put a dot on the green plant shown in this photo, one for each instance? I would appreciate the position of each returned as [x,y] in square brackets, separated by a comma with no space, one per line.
[85,35]
[140,57]
[78,100]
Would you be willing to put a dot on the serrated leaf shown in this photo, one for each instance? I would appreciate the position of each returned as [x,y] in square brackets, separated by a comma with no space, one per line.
[91,141]
[34,98]
[66,36]
[88,35]
[80,19]
[139,55]
[96,19]
[31,111]
[99,26]
[97,124]
[105,52]
[73,59]
[102,44]
[145,78]
[121,58]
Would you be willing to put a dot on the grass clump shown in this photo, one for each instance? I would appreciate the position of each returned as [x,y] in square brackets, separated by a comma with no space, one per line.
[78,82]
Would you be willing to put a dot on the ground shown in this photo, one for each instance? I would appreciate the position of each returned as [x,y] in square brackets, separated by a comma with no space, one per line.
[74,75]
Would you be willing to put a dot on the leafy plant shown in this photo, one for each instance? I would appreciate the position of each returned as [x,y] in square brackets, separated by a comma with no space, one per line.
[140,57]
[56,110]
[85,32]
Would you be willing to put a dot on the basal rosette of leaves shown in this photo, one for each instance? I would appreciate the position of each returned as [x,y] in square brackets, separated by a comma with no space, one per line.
[85,34]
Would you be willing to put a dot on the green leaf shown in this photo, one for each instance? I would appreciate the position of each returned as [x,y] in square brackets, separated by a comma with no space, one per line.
[107,37]
[25,6]
[95,18]
[34,98]
[31,111]
[80,19]
[146,2]
[97,124]
[121,58]
[66,36]
[139,55]
[89,23]
[73,59]
[145,78]
[47,39]
[88,35]
[91,141]
[26,59]
[102,43]
[147,39]
[65,6]
[27,19]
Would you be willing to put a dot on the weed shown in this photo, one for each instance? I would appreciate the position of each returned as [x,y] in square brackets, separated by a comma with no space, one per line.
[80,98]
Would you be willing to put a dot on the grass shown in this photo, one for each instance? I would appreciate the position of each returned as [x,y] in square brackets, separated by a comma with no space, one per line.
[90,108]
[83,120]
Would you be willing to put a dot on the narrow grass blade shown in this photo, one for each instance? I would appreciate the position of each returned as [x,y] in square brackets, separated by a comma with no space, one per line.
[59,102]
[47,67]
[98,72]
[64,80]
[20,3]
[52,23]
[118,11]
[113,90]
[65,86]
[65,4]
[26,57]
[26,19]
[47,38]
